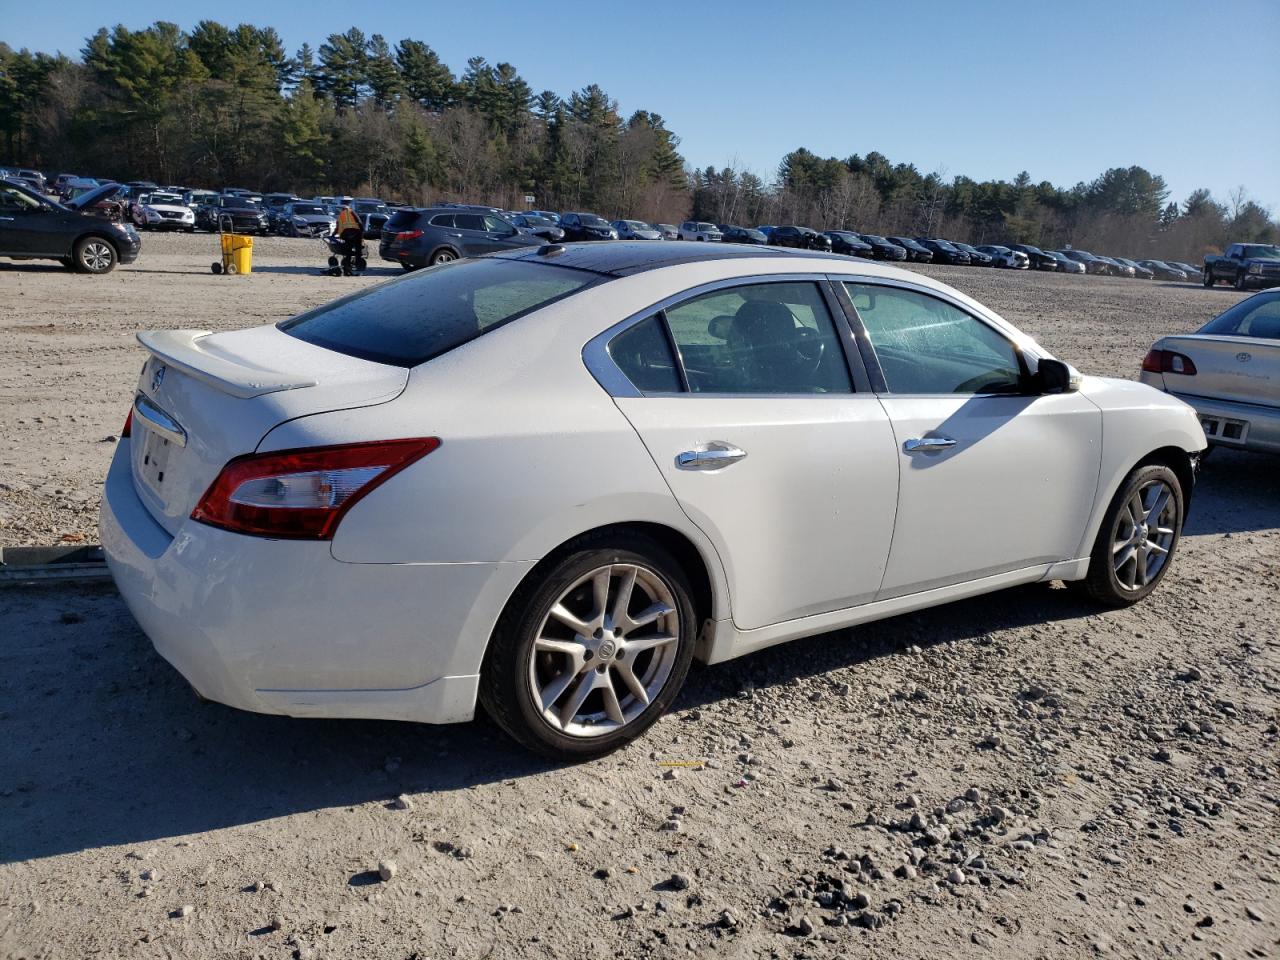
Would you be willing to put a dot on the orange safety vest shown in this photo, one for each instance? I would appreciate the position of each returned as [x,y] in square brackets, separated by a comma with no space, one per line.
[347,220]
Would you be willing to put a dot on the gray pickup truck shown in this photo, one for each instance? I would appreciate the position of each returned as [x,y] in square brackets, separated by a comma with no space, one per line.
[1249,266]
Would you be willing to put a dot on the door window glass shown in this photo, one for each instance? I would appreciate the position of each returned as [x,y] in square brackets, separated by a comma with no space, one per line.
[766,338]
[644,355]
[442,220]
[468,221]
[16,200]
[498,225]
[926,345]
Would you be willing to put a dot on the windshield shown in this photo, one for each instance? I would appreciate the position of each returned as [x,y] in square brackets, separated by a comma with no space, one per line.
[239,203]
[591,220]
[704,227]
[1259,252]
[370,206]
[308,208]
[165,198]
[411,320]
[536,221]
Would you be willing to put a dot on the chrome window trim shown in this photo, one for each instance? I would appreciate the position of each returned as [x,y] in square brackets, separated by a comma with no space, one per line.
[992,322]
[595,355]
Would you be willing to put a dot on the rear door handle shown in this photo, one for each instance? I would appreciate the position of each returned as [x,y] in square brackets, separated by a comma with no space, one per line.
[928,444]
[712,456]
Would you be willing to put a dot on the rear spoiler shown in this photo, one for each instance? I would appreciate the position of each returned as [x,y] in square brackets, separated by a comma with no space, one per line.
[184,350]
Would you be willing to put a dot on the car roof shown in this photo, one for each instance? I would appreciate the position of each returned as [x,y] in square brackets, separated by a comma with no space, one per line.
[625,258]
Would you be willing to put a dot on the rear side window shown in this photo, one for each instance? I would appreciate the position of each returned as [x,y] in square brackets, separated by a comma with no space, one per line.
[767,338]
[415,318]
[1259,316]
[442,220]
[644,355]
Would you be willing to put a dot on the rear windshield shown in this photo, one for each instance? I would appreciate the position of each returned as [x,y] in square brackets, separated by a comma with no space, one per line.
[1259,316]
[411,320]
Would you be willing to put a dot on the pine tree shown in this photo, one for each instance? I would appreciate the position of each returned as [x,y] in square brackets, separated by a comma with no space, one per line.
[342,75]
[383,74]
[426,80]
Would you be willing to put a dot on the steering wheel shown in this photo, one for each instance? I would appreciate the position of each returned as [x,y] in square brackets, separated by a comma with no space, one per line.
[810,349]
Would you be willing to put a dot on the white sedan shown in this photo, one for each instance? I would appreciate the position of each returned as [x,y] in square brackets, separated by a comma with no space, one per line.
[546,480]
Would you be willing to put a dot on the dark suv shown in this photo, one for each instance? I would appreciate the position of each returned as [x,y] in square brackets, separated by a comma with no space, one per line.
[419,238]
[80,234]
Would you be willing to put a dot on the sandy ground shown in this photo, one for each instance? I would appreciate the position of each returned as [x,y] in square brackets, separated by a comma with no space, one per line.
[1085,782]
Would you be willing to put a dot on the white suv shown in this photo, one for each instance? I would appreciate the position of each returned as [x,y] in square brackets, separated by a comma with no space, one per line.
[698,230]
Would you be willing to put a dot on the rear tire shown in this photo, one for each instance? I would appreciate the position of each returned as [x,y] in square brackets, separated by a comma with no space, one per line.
[1141,528]
[564,685]
[215,268]
[443,256]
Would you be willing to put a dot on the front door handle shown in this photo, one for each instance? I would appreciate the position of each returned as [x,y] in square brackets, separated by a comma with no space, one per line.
[712,456]
[928,444]
[6,218]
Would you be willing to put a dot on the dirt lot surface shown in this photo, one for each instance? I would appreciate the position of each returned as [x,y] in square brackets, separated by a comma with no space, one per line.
[1021,775]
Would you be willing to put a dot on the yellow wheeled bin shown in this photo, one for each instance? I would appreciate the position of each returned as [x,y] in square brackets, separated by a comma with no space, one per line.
[237,254]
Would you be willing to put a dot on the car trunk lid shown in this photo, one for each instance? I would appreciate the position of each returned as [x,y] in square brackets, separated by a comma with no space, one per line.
[205,398]
[1242,369]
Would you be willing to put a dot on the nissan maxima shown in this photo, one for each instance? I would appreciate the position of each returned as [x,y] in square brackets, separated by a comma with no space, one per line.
[544,481]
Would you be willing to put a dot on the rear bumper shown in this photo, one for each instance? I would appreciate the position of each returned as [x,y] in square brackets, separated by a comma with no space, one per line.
[282,627]
[1244,426]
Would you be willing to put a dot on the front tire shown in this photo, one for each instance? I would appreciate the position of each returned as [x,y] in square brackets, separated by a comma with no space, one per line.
[1207,278]
[1240,280]
[94,255]
[590,652]
[1138,537]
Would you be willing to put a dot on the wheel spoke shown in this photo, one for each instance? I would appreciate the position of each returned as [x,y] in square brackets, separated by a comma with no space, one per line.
[576,699]
[554,690]
[1136,511]
[1157,507]
[1120,545]
[570,619]
[600,597]
[1140,568]
[612,709]
[622,601]
[641,644]
[1153,547]
[633,683]
[566,647]
[649,614]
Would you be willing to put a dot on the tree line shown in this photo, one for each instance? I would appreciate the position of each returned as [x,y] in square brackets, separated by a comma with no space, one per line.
[229,106]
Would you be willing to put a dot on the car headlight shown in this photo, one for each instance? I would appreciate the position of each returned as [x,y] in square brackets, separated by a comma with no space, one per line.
[1255,268]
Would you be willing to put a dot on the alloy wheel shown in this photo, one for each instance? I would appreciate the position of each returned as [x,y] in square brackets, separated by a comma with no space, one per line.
[96,256]
[1144,535]
[605,650]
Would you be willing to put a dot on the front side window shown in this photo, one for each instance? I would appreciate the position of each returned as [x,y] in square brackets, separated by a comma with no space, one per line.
[926,345]
[766,338]
[468,221]
[16,200]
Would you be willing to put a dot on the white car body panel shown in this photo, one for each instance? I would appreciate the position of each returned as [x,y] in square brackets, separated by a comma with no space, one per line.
[815,496]
[1013,492]
[392,617]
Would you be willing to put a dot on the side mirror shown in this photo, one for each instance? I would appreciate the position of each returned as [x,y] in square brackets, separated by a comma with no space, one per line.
[864,300]
[1054,376]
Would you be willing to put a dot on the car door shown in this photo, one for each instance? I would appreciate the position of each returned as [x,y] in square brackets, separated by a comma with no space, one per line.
[501,235]
[472,235]
[766,443]
[33,227]
[993,478]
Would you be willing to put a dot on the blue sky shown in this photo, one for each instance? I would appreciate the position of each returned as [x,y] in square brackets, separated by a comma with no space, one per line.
[1063,90]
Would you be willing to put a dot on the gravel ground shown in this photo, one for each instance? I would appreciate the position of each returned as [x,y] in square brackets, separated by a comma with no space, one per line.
[1020,775]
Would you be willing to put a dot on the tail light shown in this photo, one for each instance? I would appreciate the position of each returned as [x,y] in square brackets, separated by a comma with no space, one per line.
[303,494]
[408,235]
[127,430]
[1168,361]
